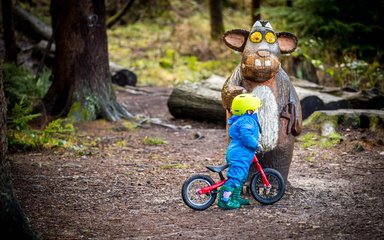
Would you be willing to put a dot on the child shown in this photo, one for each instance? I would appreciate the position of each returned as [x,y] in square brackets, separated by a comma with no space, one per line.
[243,133]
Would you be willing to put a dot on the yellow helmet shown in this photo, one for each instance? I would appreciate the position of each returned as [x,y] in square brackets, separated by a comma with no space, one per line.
[244,102]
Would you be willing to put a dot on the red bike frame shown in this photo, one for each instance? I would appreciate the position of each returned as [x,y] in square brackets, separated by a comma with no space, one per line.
[208,189]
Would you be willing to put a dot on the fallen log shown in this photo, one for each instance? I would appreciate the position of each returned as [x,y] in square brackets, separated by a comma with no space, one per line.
[32,23]
[200,102]
[347,118]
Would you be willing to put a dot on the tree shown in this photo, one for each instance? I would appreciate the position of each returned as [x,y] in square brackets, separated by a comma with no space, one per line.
[255,10]
[13,222]
[9,31]
[81,87]
[343,29]
[216,15]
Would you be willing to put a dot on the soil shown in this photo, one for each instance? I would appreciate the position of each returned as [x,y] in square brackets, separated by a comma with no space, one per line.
[121,187]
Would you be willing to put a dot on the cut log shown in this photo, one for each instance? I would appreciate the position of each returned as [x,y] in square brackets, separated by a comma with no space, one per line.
[201,102]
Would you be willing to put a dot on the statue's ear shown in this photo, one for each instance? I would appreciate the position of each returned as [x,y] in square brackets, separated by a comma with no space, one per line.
[287,42]
[236,39]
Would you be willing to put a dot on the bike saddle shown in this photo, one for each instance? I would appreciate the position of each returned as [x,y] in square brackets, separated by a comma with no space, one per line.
[218,168]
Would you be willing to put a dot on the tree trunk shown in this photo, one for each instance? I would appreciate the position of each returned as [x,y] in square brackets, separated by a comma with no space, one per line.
[255,10]
[9,31]
[217,25]
[82,87]
[13,222]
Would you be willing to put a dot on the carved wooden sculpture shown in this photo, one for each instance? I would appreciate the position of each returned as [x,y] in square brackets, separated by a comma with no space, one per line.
[260,73]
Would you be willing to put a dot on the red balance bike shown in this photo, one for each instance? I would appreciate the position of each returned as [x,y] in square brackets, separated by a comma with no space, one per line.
[199,191]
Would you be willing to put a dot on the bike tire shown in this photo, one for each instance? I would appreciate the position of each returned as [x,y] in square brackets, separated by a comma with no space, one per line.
[190,196]
[260,193]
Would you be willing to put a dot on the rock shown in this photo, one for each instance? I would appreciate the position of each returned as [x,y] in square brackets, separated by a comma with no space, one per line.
[124,77]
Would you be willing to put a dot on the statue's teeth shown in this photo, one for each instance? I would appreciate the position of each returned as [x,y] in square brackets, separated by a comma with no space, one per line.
[267,63]
[257,62]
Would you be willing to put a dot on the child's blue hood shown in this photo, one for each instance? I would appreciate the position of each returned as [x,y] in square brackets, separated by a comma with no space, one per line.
[234,118]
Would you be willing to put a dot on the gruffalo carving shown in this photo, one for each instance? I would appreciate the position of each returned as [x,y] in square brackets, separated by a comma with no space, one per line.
[260,73]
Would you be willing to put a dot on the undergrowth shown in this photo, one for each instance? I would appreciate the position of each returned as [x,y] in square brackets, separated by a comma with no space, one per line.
[22,90]
[312,139]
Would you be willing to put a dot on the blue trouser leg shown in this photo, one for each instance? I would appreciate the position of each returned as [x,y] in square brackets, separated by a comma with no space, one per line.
[236,175]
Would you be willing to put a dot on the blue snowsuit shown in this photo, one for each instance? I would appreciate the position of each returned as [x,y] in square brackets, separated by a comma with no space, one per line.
[244,135]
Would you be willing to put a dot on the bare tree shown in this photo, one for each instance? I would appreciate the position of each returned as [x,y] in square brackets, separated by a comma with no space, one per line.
[82,87]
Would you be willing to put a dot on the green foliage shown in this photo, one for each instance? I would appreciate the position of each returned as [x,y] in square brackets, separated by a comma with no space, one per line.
[308,140]
[20,85]
[20,115]
[341,39]
[21,137]
[153,141]
[59,128]
[344,28]
[168,54]
[332,140]
[312,139]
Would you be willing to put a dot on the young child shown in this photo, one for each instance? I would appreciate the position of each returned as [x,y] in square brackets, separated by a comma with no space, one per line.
[243,133]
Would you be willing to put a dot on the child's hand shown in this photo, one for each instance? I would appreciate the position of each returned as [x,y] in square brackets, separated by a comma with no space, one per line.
[259,149]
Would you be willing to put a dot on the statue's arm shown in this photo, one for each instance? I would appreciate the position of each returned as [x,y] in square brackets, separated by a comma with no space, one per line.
[297,114]
[231,88]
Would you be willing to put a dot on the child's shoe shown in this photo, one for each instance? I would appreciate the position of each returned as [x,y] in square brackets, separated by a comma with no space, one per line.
[225,198]
[236,196]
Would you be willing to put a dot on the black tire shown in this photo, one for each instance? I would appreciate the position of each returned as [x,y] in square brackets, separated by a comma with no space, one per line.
[192,198]
[260,193]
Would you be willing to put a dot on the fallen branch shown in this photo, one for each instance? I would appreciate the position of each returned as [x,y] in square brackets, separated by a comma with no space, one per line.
[115,18]
[41,29]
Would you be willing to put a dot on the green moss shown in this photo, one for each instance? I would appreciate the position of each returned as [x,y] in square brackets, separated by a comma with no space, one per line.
[153,141]
[331,140]
[121,143]
[375,122]
[317,118]
[308,140]
[80,113]
[312,139]
[174,166]
[353,121]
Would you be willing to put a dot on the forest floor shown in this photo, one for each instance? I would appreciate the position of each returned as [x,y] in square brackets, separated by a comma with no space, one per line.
[124,188]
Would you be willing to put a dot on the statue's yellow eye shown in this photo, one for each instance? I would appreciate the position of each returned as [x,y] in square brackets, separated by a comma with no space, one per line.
[270,37]
[256,37]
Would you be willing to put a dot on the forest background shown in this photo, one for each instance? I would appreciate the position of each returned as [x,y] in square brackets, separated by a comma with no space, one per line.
[169,42]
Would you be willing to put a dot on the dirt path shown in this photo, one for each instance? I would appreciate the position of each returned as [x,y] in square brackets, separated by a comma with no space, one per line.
[122,188]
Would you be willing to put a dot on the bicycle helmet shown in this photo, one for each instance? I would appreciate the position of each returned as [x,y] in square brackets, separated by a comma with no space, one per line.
[244,102]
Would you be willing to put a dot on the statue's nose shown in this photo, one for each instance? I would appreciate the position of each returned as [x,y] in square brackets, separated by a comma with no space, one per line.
[263,53]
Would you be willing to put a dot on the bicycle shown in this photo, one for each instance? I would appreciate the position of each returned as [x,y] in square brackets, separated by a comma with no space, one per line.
[199,191]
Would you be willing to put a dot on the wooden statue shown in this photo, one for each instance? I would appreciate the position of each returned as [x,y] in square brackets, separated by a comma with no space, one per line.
[260,73]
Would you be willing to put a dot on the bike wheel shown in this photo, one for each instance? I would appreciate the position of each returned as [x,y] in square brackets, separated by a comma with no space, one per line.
[192,198]
[261,193]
